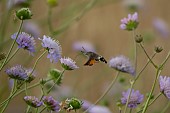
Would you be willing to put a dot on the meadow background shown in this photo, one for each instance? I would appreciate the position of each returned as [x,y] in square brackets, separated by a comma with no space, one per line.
[98,24]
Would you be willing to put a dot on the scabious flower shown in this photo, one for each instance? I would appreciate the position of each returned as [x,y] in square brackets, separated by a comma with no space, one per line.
[95,108]
[135,98]
[68,63]
[25,41]
[33,101]
[51,104]
[130,23]
[121,63]
[79,45]
[164,83]
[17,72]
[53,47]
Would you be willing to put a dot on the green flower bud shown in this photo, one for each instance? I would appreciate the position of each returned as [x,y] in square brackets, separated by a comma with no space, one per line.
[138,38]
[73,104]
[52,3]
[158,49]
[24,13]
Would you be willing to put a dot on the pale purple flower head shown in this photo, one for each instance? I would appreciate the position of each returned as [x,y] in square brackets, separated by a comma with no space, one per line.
[68,63]
[25,41]
[130,23]
[51,104]
[121,63]
[12,3]
[161,27]
[53,47]
[135,98]
[17,72]
[164,83]
[82,46]
[31,28]
[33,101]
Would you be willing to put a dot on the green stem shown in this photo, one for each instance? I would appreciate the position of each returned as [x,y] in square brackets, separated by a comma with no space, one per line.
[130,110]
[151,102]
[55,82]
[28,109]
[13,91]
[49,19]
[135,55]
[151,92]
[166,108]
[166,59]
[148,56]
[26,88]
[104,94]
[42,110]
[12,46]
[15,52]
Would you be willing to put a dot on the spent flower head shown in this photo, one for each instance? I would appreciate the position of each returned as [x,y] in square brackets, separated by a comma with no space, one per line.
[135,98]
[130,23]
[25,41]
[121,63]
[17,72]
[33,101]
[68,63]
[51,103]
[164,83]
[53,47]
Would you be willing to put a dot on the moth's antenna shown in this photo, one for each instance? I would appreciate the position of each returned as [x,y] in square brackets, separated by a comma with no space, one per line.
[84,50]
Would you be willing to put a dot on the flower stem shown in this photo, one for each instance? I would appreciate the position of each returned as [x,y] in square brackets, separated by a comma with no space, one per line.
[151,92]
[42,110]
[12,46]
[55,82]
[135,55]
[104,94]
[28,109]
[49,20]
[148,56]
[152,101]
[10,97]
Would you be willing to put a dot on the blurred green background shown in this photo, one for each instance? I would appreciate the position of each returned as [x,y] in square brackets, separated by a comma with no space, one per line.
[95,21]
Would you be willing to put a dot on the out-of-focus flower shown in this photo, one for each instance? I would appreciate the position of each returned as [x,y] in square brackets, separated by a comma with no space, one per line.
[130,23]
[17,72]
[135,98]
[95,108]
[121,63]
[78,46]
[25,41]
[32,101]
[68,64]
[52,3]
[161,27]
[53,47]
[133,5]
[71,104]
[164,83]
[31,28]
[51,104]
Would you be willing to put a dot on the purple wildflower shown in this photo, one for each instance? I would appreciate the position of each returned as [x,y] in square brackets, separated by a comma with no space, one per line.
[25,41]
[32,101]
[164,83]
[130,23]
[68,63]
[17,72]
[135,98]
[53,47]
[121,63]
[51,104]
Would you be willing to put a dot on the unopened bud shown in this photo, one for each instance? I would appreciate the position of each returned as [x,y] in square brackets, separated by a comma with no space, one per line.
[24,13]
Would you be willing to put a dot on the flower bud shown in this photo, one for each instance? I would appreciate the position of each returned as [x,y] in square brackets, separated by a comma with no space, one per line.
[158,49]
[24,13]
[52,3]
[138,38]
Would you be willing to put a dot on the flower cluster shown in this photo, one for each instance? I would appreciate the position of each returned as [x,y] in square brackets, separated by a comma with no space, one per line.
[32,101]
[130,23]
[68,63]
[25,41]
[121,63]
[53,47]
[135,98]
